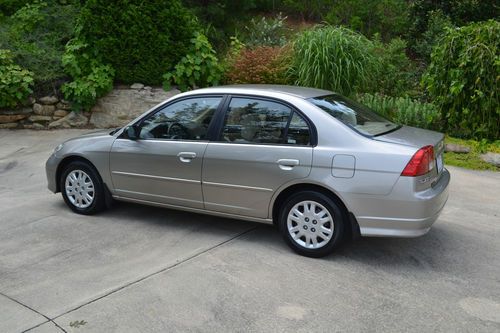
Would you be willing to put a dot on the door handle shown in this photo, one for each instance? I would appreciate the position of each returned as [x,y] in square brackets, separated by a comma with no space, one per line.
[287,164]
[186,156]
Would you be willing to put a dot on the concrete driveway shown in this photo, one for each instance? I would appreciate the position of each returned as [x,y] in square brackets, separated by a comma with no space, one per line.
[143,269]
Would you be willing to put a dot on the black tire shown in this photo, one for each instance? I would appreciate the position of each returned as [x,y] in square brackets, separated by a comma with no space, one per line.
[337,220]
[99,202]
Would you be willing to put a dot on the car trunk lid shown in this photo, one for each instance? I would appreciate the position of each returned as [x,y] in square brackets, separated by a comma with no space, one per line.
[418,138]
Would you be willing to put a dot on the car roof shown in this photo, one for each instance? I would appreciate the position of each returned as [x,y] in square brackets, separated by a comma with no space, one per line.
[262,89]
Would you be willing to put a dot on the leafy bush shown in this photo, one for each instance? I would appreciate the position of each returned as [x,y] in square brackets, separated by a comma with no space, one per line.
[260,65]
[266,32]
[37,34]
[141,40]
[444,13]
[91,78]
[397,76]
[15,82]
[199,68]
[334,58]
[436,27]
[403,110]
[460,11]
[235,47]
[463,80]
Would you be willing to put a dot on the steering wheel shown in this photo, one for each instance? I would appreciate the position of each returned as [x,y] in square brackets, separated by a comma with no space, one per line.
[177,131]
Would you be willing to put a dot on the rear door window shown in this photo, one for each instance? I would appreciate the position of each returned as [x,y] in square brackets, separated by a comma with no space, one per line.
[250,120]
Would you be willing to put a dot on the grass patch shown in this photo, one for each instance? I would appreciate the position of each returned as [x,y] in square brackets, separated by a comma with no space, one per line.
[472,160]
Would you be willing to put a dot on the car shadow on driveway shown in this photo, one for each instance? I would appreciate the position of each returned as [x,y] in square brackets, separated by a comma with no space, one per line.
[434,250]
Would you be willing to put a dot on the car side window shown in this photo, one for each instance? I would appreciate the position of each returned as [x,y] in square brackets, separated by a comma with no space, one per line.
[187,119]
[251,120]
[298,131]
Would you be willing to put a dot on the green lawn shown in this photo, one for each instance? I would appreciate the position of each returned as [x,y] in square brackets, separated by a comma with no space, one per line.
[472,160]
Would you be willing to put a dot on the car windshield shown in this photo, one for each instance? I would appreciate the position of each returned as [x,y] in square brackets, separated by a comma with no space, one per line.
[353,114]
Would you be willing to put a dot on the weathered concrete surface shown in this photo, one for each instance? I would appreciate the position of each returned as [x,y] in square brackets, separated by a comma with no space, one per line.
[143,269]
[16,317]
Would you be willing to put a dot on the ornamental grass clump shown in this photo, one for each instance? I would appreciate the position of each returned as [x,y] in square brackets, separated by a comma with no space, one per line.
[334,58]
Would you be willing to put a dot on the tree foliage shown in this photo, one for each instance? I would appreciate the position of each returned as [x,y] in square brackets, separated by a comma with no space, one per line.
[387,18]
[9,7]
[456,12]
[463,80]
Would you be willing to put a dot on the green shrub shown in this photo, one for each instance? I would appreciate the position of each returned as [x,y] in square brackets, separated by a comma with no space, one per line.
[403,110]
[15,81]
[260,65]
[266,31]
[91,78]
[141,40]
[37,34]
[436,27]
[199,68]
[334,58]
[444,13]
[397,75]
[463,80]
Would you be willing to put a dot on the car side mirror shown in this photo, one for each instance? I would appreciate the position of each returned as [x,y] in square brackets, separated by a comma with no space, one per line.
[132,132]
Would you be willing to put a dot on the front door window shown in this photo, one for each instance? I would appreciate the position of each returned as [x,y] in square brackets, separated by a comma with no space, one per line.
[184,120]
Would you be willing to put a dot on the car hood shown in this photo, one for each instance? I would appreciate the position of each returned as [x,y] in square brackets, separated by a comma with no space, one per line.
[415,137]
[92,134]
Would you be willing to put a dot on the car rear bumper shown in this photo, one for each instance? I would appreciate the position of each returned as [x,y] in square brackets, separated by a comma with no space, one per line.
[414,214]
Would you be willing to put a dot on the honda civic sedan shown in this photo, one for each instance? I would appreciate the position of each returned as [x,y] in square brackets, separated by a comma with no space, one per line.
[318,165]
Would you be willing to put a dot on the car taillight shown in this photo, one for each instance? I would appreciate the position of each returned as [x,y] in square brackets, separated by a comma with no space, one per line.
[421,163]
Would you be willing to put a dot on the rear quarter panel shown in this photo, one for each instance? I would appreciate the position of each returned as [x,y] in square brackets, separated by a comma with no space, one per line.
[378,165]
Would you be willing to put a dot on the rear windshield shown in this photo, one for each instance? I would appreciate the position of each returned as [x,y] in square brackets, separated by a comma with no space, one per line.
[353,114]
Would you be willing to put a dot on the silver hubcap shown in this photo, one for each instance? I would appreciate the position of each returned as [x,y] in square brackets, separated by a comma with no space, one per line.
[310,224]
[79,189]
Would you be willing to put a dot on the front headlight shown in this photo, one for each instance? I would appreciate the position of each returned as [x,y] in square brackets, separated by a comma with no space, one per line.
[58,148]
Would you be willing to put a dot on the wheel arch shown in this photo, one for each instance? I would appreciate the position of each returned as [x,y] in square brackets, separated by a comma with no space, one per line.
[66,161]
[351,230]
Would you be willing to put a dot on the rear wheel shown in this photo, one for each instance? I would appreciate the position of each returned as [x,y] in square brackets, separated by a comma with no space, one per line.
[82,188]
[311,223]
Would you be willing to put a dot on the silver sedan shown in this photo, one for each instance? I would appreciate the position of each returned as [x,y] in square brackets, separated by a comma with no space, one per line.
[316,164]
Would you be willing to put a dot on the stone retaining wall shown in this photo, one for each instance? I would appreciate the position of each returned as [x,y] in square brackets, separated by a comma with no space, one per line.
[46,112]
[117,108]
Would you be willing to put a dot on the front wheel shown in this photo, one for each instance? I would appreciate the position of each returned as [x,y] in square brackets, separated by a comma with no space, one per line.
[82,188]
[312,224]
